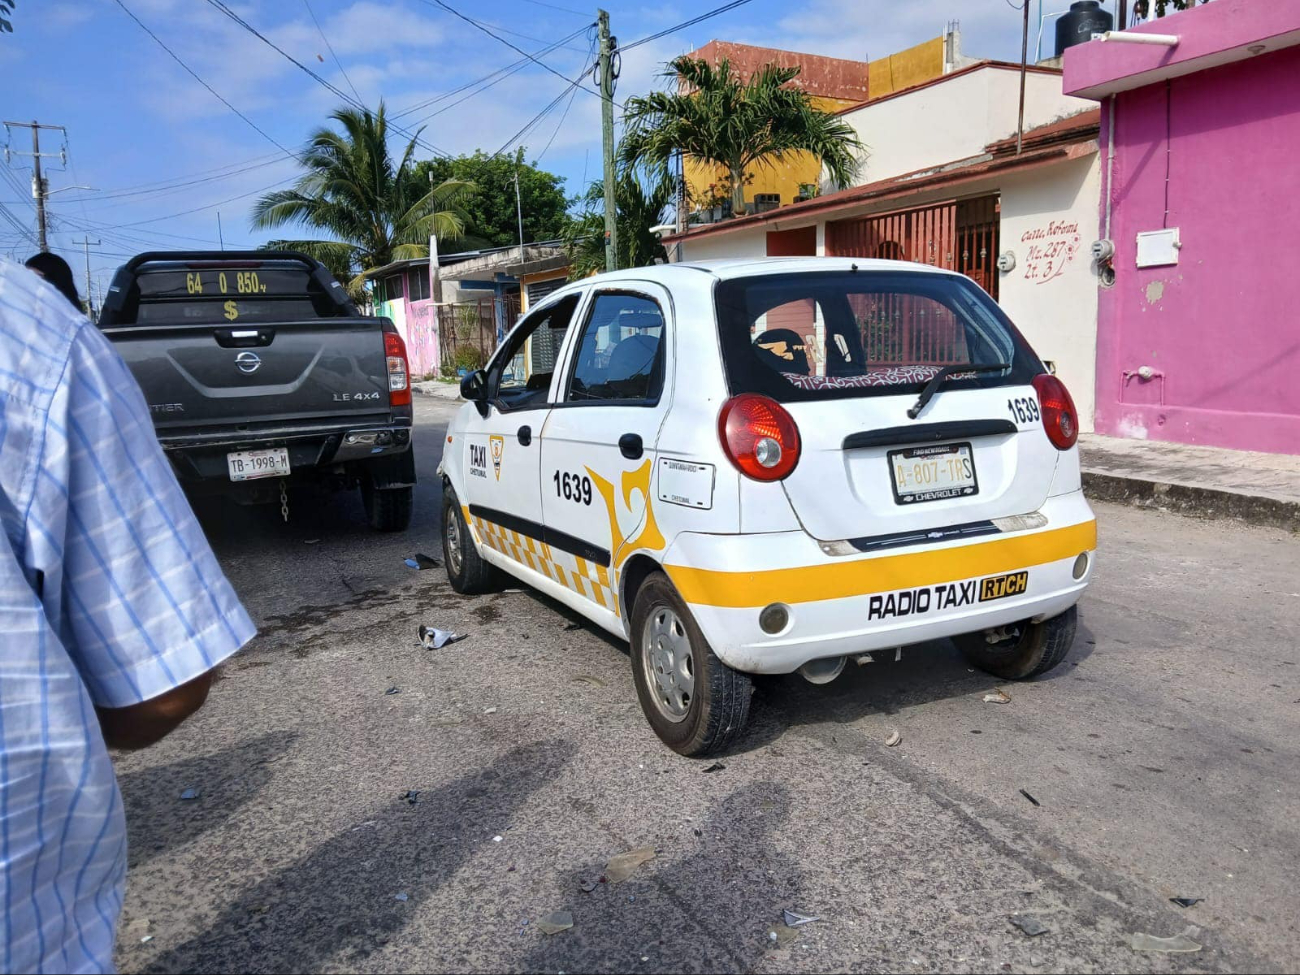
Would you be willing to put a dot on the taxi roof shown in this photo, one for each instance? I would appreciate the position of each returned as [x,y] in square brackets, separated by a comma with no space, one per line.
[748,267]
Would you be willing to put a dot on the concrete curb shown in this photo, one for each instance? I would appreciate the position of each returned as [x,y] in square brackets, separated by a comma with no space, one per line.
[1189,499]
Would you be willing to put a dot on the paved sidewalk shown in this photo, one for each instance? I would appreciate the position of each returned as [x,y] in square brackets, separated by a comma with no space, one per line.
[438,388]
[1209,481]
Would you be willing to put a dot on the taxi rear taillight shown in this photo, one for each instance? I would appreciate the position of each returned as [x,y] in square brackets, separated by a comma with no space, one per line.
[759,437]
[1059,417]
[399,378]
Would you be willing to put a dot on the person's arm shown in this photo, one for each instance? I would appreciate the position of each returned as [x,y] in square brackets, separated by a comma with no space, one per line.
[146,612]
[149,722]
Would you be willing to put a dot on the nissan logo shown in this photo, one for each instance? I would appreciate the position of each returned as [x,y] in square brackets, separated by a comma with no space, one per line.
[248,362]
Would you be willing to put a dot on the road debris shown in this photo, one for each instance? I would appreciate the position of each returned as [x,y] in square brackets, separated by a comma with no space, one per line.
[1029,924]
[190,794]
[311,541]
[393,690]
[715,767]
[146,939]
[781,935]
[587,886]
[697,831]
[421,561]
[623,865]
[588,679]
[555,923]
[570,627]
[1186,901]
[793,918]
[401,897]
[497,839]
[997,697]
[412,796]
[894,738]
[1030,798]
[489,710]
[432,638]
[1179,943]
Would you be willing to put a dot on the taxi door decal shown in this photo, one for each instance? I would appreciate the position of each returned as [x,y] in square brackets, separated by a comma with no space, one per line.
[498,444]
[649,535]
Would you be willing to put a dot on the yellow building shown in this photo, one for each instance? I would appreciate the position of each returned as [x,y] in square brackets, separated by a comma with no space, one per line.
[833,84]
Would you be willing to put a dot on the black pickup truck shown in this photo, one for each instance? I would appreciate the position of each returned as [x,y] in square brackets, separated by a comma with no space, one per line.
[259,370]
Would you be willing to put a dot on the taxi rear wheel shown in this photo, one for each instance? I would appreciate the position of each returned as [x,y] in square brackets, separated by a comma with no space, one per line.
[1024,650]
[695,703]
[467,571]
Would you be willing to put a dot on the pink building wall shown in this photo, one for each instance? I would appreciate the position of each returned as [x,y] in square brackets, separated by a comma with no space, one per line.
[1207,140]
[422,338]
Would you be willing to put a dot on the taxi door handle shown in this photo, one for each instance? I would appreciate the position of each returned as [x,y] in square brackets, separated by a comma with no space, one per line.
[525,435]
[629,445]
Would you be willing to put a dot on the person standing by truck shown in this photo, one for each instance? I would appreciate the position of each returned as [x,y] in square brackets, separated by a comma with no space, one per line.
[55,270]
[113,614]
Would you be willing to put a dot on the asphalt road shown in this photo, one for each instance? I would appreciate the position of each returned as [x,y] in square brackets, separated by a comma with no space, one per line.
[1162,756]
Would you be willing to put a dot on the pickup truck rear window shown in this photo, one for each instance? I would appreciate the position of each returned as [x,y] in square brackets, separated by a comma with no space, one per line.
[846,334]
[203,294]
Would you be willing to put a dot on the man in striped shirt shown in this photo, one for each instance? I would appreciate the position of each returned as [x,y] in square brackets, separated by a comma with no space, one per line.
[113,612]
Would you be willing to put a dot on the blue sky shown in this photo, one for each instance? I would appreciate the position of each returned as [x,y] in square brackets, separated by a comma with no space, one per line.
[139,126]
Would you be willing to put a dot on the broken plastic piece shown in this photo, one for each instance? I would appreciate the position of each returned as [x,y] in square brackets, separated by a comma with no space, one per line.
[781,934]
[793,918]
[1030,798]
[715,767]
[189,794]
[894,738]
[1148,942]
[587,886]
[401,897]
[421,561]
[997,697]
[311,541]
[555,923]
[489,710]
[1186,901]
[623,865]
[570,627]
[497,839]
[435,639]
[412,796]
[1029,924]
[588,679]
[146,939]
[393,690]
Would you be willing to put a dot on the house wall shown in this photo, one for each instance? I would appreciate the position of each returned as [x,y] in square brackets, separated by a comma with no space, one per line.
[1212,153]
[903,69]
[954,119]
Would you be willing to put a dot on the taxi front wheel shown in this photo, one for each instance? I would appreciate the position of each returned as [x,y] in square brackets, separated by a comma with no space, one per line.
[467,571]
[695,703]
[1022,650]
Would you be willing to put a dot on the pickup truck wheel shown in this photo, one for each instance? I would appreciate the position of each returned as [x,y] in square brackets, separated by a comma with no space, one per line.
[1025,650]
[696,704]
[467,571]
[388,509]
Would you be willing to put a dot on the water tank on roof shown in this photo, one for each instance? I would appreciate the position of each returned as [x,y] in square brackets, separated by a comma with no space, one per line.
[1080,22]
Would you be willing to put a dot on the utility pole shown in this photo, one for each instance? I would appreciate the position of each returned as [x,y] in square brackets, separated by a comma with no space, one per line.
[87,243]
[1024,57]
[607,46]
[519,212]
[40,185]
[221,238]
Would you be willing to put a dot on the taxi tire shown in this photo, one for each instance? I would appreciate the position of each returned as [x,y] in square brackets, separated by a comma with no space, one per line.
[1040,648]
[719,710]
[476,575]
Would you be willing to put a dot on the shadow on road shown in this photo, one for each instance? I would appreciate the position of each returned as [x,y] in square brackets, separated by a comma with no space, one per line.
[709,910]
[337,905]
[158,820]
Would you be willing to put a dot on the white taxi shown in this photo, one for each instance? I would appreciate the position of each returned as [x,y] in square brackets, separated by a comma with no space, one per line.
[768,466]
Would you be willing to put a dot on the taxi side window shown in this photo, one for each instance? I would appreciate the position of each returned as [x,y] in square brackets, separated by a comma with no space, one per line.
[522,375]
[620,356]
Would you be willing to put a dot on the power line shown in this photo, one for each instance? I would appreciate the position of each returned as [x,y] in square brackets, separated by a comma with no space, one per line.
[175,187]
[192,74]
[165,183]
[555,6]
[209,206]
[687,23]
[535,119]
[344,72]
[17,224]
[558,125]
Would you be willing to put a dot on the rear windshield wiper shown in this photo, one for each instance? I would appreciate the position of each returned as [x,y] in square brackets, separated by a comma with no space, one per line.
[932,386]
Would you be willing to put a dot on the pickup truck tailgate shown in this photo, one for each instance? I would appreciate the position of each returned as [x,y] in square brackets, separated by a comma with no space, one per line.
[198,375]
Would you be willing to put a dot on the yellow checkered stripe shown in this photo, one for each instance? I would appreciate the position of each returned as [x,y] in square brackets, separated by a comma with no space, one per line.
[586,578]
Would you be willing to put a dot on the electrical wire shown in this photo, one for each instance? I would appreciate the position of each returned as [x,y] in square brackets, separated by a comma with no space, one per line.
[342,70]
[209,206]
[554,6]
[190,71]
[190,178]
[687,23]
[558,125]
[17,224]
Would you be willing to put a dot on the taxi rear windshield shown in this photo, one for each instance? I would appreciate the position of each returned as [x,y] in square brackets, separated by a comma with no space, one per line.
[846,334]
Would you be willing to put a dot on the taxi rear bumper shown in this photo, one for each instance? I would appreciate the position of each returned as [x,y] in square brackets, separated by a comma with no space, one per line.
[838,605]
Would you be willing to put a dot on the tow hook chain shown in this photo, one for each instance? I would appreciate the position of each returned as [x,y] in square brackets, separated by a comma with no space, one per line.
[284,499]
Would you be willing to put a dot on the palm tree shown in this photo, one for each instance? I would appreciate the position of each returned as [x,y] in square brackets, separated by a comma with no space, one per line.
[716,117]
[374,212]
[639,207]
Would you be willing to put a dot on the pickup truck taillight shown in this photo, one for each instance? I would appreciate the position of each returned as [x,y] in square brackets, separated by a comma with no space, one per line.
[399,379]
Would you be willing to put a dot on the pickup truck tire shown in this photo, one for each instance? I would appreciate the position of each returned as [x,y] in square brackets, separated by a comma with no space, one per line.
[388,509]
[467,571]
[695,703]
[1031,648]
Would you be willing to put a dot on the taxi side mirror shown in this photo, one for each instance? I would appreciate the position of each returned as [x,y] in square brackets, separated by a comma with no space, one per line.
[474,388]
